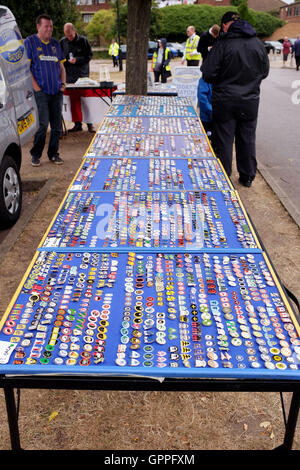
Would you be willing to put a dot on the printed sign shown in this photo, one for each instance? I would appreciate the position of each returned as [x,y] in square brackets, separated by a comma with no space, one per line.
[186,80]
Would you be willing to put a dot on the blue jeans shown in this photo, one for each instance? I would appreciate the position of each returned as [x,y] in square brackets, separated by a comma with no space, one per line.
[49,109]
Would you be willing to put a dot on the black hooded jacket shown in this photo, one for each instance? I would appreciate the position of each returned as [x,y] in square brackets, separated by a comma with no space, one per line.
[235,67]
[165,61]
[81,49]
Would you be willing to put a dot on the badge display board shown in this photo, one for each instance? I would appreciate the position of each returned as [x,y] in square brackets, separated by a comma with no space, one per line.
[150,174]
[151,125]
[171,314]
[172,102]
[151,266]
[185,219]
[149,145]
[153,106]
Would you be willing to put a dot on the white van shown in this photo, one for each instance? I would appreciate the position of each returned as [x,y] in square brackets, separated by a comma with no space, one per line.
[18,115]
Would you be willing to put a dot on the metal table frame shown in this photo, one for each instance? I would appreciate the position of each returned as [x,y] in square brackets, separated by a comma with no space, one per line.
[107,90]
[85,382]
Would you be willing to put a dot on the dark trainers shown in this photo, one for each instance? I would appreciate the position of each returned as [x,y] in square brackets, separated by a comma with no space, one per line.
[35,161]
[246,181]
[56,160]
[76,128]
[91,128]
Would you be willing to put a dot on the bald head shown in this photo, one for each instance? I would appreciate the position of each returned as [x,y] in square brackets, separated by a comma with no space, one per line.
[190,31]
[69,31]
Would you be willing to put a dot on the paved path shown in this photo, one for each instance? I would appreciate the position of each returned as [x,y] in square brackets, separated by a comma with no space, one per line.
[278,136]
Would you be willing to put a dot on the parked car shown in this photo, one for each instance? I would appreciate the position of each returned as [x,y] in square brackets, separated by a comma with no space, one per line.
[18,115]
[176,49]
[269,47]
[122,51]
[275,45]
[152,45]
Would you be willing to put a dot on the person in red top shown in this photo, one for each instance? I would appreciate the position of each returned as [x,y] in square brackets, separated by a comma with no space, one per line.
[286,49]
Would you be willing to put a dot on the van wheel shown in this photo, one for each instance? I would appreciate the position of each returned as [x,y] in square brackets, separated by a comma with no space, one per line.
[10,192]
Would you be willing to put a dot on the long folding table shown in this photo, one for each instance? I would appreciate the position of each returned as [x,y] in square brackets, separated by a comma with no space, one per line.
[151,275]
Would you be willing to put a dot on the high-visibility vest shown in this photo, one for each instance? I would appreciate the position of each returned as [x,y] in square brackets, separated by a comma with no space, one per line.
[114,49]
[154,59]
[191,46]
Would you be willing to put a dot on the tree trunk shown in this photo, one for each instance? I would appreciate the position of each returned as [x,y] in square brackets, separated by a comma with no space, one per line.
[137,46]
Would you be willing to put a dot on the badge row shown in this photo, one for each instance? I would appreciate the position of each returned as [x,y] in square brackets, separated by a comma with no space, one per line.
[159,109]
[150,174]
[148,145]
[159,314]
[146,219]
[151,125]
[136,100]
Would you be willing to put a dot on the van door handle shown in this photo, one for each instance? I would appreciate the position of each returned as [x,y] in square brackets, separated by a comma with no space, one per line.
[29,94]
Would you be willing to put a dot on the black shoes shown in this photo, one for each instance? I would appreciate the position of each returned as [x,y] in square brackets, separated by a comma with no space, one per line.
[246,180]
[35,161]
[76,128]
[91,128]
[56,160]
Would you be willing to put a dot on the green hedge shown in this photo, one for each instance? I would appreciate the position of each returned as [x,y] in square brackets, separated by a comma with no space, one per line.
[175,19]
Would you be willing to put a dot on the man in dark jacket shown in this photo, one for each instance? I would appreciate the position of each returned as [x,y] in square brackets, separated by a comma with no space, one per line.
[78,54]
[235,67]
[205,44]
[296,51]
[207,40]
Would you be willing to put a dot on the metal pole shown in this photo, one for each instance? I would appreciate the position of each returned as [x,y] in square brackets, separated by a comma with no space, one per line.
[119,40]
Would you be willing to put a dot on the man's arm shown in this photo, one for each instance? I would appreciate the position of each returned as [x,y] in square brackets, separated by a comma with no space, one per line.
[62,76]
[28,48]
[212,65]
[35,85]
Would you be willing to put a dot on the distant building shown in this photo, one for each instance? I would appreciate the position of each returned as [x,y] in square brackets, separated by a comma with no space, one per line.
[88,8]
[291,13]
[266,5]
[168,3]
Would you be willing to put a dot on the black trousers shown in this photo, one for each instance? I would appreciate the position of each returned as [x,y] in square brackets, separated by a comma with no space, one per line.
[243,132]
[163,74]
[297,58]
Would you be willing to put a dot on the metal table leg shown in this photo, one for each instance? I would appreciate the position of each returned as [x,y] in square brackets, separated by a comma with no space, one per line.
[12,418]
[292,421]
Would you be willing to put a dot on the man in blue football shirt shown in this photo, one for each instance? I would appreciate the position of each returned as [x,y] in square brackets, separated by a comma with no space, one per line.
[49,81]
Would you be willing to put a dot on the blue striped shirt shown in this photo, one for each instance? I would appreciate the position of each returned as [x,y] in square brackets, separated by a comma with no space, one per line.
[45,61]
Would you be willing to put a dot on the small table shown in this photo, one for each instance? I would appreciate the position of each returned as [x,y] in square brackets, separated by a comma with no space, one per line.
[103,92]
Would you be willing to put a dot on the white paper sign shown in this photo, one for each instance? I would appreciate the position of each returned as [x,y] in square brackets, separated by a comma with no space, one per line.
[6,348]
